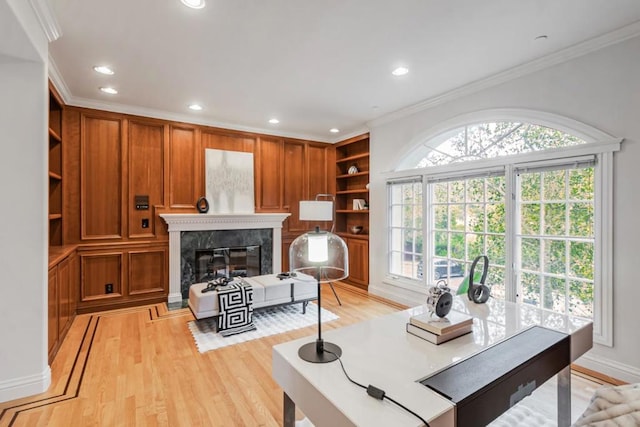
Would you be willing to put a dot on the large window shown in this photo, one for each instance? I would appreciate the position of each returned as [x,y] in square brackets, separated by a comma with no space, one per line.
[555,239]
[467,220]
[405,231]
[539,217]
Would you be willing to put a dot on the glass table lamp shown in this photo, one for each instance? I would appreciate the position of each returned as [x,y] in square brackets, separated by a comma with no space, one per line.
[325,256]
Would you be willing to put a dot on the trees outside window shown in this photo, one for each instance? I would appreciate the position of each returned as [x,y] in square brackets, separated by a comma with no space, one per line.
[468,219]
[555,239]
[405,228]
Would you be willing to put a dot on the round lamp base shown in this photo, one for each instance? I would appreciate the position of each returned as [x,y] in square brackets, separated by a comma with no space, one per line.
[309,353]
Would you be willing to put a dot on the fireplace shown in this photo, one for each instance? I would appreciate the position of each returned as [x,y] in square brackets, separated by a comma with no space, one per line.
[241,261]
[189,233]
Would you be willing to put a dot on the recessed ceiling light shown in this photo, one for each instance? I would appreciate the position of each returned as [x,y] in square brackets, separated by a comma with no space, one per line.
[103,69]
[400,71]
[274,121]
[109,90]
[194,4]
[195,107]
[334,130]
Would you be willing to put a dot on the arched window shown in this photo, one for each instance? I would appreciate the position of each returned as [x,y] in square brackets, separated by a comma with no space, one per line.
[490,140]
[528,196]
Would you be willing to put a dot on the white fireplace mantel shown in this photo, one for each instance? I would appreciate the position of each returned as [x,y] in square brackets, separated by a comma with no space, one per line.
[206,222]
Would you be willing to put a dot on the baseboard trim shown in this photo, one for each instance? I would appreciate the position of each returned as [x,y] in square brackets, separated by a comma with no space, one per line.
[616,371]
[17,388]
[409,300]
[595,376]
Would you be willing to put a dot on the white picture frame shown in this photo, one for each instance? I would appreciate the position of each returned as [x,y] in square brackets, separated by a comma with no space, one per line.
[229,181]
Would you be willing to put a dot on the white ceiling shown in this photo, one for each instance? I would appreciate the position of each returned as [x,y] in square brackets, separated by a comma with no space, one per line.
[312,64]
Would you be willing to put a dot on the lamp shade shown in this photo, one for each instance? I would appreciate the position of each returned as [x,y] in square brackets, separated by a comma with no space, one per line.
[320,252]
[316,210]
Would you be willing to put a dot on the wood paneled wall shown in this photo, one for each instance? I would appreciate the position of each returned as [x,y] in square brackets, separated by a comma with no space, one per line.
[110,158]
[146,173]
[101,154]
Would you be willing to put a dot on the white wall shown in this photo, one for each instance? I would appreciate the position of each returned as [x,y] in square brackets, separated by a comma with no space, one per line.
[601,89]
[24,368]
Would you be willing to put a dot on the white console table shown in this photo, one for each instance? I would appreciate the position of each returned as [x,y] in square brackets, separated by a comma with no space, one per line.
[381,353]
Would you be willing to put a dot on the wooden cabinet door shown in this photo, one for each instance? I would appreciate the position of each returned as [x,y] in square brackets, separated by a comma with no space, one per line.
[146,175]
[101,178]
[358,261]
[64,295]
[53,308]
[293,185]
[268,180]
[147,271]
[101,275]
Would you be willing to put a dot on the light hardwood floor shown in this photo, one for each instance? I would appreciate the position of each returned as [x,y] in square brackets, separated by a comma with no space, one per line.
[140,367]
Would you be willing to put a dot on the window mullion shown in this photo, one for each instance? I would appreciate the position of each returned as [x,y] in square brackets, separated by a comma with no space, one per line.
[511,290]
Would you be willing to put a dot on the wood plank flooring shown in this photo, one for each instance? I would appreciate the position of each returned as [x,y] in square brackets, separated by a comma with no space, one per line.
[140,367]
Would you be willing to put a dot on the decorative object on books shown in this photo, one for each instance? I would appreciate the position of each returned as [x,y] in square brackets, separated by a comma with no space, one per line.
[444,325]
[324,255]
[359,204]
[436,338]
[474,284]
[352,169]
[268,321]
[439,299]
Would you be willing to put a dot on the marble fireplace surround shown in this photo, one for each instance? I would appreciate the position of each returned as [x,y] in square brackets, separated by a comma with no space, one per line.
[178,223]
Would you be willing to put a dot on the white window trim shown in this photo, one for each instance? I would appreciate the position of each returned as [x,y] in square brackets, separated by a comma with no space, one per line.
[603,204]
[434,135]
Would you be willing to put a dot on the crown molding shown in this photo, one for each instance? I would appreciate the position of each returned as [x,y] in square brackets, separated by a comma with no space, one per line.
[564,55]
[357,132]
[58,81]
[47,19]
[186,118]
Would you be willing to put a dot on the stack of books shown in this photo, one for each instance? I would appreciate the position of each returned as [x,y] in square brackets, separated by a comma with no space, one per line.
[438,330]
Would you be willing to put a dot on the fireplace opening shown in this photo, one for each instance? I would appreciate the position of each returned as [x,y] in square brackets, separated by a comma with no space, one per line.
[239,261]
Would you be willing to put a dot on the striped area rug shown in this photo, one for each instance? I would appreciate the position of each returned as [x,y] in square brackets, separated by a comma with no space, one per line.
[268,321]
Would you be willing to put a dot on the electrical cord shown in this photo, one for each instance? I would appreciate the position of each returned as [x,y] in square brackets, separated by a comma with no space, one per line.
[376,392]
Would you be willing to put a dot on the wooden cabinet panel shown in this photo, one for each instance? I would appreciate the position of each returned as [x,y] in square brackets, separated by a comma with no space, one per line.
[318,170]
[101,178]
[269,169]
[98,271]
[63,280]
[286,243]
[293,184]
[358,261]
[183,168]
[245,144]
[146,161]
[147,272]
[64,295]
[52,290]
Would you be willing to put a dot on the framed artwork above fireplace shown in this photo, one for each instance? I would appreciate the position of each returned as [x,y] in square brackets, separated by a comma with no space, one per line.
[229,181]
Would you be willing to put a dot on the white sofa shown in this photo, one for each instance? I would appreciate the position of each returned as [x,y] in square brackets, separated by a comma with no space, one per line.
[268,290]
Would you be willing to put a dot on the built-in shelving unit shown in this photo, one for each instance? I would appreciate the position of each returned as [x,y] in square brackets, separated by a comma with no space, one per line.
[55,168]
[63,262]
[352,179]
